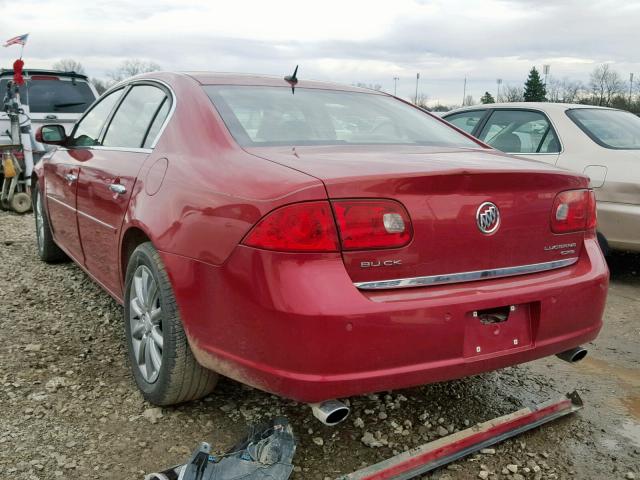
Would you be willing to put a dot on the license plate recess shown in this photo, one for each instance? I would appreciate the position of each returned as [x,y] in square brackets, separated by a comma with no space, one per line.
[497,329]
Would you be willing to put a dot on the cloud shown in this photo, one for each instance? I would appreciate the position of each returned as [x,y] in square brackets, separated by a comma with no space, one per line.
[345,41]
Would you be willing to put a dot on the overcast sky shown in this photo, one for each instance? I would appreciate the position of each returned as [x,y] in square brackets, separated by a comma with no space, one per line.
[344,41]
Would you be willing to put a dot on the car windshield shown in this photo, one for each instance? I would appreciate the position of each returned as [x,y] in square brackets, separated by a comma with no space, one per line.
[50,95]
[265,116]
[609,128]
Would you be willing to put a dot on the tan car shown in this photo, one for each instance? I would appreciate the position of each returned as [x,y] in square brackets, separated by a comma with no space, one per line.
[603,143]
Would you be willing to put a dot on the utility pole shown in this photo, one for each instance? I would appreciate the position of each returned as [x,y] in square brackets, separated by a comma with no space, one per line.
[464,91]
[417,80]
[630,87]
[395,86]
[498,82]
[545,70]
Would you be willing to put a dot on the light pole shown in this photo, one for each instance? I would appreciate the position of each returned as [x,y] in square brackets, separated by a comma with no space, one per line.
[417,80]
[498,82]
[630,87]
[545,70]
[464,91]
[395,86]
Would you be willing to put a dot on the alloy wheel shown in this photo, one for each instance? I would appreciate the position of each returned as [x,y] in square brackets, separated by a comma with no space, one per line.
[145,321]
[39,223]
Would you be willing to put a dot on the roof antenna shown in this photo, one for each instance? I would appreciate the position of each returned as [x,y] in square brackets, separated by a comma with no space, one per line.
[293,80]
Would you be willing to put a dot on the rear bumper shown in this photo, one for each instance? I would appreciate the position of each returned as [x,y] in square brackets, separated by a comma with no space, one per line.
[296,326]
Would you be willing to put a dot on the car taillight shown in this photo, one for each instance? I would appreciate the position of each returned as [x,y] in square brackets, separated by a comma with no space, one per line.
[573,211]
[368,224]
[300,227]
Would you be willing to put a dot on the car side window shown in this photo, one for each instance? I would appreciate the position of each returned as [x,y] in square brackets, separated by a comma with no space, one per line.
[131,121]
[520,131]
[157,123]
[466,121]
[87,132]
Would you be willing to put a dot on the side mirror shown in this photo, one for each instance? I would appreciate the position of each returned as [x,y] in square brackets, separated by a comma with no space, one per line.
[51,134]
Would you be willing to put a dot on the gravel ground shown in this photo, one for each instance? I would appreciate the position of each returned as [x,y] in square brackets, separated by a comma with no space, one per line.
[69,407]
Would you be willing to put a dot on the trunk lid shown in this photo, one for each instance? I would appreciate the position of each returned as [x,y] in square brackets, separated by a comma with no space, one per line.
[442,189]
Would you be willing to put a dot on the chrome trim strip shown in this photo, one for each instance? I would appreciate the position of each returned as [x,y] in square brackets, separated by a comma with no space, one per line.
[99,222]
[124,84]
[465,276]
[174,101]
[60,202]
[121,149]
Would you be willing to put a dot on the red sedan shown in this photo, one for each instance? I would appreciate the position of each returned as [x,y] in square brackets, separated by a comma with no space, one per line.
[315,242]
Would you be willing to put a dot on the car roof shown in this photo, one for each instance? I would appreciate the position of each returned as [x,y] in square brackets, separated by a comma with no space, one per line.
[35,71]
[544,106]
[216,78]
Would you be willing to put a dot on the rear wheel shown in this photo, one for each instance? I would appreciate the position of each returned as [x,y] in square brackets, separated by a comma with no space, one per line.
[163,365]
[48,251]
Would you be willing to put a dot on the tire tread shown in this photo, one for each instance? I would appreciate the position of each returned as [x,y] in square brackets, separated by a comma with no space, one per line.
[51,252]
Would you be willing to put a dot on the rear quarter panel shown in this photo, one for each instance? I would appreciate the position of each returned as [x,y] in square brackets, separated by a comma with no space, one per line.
[212,192]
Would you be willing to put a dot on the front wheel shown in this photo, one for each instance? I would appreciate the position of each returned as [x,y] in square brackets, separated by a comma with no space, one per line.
[163,365]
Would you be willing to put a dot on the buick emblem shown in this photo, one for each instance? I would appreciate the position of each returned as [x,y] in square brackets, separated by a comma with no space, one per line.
[488,218]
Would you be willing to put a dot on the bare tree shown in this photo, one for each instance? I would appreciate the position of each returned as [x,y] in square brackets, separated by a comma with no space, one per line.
[132,67]
[571,91]
[422,101]
[68,65]
[605,83]
[510,94]
[441,108]
[564,91]
[554,88]
[468,101]
[100,85]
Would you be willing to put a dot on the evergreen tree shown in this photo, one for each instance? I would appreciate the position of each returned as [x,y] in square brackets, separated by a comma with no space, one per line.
[534,89]
[487,98]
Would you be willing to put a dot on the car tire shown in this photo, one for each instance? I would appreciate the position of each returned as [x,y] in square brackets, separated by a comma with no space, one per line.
[48,251]
[162,363]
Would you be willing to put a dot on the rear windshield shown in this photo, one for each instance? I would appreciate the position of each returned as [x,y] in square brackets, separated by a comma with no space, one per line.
[53,95]
[258,116]
[609,128]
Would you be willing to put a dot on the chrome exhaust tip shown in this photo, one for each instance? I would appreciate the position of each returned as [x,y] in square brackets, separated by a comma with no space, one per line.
[573,355]
[331,412]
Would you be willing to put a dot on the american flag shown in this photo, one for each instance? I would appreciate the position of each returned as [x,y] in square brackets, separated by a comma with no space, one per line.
[19,40]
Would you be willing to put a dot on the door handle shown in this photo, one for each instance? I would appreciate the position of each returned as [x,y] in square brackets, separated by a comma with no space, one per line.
[70,177]
[117,188]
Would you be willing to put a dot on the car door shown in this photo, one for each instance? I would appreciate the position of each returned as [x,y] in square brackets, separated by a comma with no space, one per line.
[62,172]
[523,132]
[107,181]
